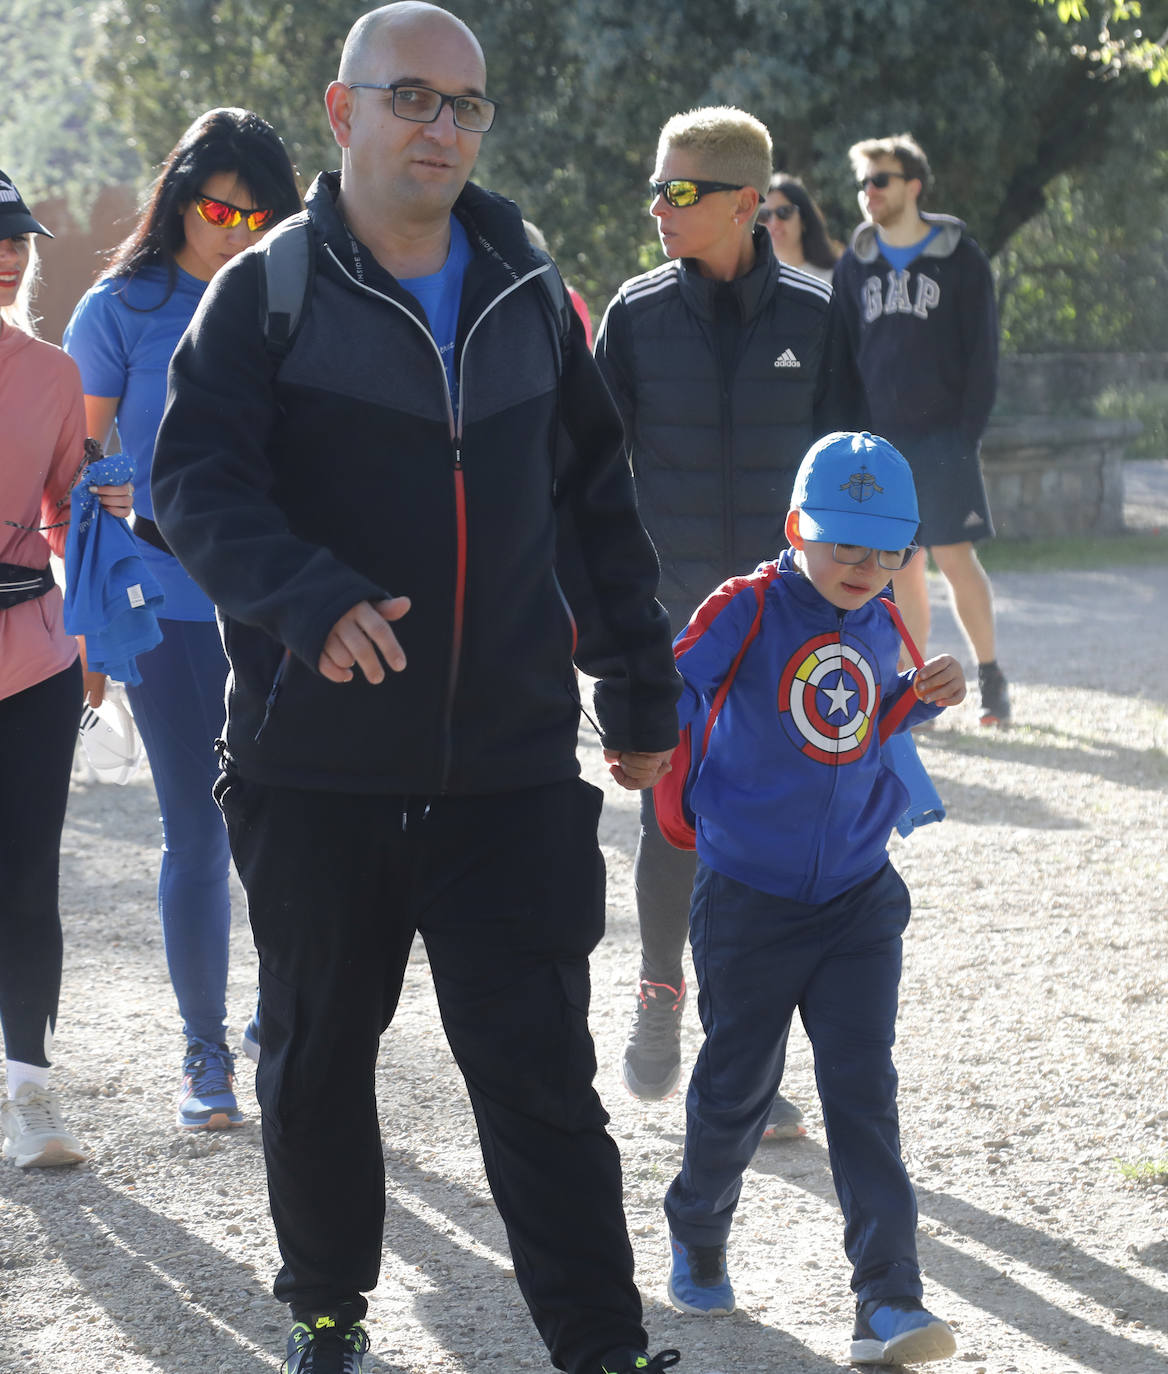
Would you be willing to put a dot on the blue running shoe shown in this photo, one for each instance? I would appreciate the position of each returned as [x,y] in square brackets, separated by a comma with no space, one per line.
[250,1040]
[899,1331]
[206,1101]
[318,1345]
[624,1359]
[698,1281]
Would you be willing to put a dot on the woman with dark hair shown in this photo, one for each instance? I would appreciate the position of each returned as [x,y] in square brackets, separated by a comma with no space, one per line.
[226,182]
[40,688]
[795,224]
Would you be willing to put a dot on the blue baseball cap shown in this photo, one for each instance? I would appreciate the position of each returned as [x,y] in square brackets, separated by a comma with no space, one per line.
[856,489]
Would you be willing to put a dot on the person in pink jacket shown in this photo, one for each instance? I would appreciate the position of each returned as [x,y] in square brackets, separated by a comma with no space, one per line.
[41,456]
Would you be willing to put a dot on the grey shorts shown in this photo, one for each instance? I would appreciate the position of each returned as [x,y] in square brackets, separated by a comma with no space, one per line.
[950,491]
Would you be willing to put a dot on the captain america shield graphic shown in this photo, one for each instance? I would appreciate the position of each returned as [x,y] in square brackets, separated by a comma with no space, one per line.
[829,698]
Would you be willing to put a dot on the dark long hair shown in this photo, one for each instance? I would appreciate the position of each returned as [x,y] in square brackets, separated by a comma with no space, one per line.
[817,247]
[224,140]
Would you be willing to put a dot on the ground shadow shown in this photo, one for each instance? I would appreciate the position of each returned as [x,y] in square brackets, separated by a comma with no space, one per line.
[993,1290]
[1047,746]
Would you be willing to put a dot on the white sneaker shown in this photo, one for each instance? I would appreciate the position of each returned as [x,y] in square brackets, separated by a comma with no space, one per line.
[34,1132]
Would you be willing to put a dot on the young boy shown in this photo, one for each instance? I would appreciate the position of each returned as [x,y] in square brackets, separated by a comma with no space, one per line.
[796,903]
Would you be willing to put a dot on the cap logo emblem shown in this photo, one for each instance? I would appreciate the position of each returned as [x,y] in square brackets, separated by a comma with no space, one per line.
[8,191]
[861,486]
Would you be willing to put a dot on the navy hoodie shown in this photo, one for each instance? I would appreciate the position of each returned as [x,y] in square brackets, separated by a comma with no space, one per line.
[925,338]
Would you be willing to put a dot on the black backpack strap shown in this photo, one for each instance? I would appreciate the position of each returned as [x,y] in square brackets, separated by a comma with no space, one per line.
[288,267]
[559,305]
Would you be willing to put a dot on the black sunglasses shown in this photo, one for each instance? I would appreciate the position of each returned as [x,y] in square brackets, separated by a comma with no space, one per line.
[778,211]
[880,179]
[682,193]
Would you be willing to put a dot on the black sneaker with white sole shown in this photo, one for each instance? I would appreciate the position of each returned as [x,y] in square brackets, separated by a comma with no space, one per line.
[995,696]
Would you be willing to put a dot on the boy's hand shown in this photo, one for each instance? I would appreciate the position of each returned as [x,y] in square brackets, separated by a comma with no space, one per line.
[941,682]
[637,771]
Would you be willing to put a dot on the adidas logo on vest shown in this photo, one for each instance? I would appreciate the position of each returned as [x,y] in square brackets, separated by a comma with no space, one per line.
[787,359]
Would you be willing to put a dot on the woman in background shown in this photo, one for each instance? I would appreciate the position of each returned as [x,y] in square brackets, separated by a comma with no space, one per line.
[795,224]
[222,187]
[40,688]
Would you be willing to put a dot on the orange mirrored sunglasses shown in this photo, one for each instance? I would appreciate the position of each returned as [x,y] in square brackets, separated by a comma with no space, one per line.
[223,215]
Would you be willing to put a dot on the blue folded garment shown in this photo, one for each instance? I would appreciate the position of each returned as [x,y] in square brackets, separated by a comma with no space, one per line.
[924,801]
[110,597]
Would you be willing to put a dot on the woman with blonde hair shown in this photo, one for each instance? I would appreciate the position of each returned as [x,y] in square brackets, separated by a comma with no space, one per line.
[40,687]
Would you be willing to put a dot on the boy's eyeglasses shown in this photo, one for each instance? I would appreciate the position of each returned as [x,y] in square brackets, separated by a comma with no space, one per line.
[880,180]
[777,212]
[422,104]
[223,215]
[682,193]
[891,560]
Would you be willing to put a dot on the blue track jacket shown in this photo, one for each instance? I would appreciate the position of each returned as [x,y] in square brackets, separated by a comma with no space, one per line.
[794,795]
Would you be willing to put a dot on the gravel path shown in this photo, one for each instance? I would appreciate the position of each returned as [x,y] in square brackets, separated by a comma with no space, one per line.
[1032,1056]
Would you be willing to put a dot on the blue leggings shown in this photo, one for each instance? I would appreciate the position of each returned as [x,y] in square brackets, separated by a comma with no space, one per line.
[178,708]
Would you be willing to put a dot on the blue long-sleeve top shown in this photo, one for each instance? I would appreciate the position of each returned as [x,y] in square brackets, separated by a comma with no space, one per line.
[794,795]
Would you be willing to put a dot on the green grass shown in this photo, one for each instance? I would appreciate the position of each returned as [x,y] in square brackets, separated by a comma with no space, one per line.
[1147,1171]
[1077,552]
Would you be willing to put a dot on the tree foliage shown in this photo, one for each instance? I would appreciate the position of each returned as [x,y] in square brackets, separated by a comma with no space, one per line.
[1011,97]
[55,136]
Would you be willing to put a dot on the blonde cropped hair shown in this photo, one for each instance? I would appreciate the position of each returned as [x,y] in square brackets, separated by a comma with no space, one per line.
[729,144]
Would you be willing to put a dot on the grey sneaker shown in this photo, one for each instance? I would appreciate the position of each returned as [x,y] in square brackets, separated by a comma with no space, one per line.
[34,1132]
[652,1058]
[785,1121]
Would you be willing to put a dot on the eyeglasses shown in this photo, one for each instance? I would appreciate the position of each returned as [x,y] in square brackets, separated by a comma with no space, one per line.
[422,104]
[891,560]
[880,180]
[777,211]
[681,193]
[223,215]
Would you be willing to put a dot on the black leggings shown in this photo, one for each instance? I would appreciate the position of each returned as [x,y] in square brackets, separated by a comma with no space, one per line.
[38,730]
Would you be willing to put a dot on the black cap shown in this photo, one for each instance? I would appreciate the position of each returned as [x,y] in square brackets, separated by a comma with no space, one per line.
[14,216]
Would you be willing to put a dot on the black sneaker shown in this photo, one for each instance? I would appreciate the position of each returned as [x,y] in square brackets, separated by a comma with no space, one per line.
[625,1360]
[652,1059]
[321,1345]
[995,698]
[899,1331]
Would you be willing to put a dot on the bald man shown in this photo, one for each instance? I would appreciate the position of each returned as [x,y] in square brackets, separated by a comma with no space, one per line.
[374,512]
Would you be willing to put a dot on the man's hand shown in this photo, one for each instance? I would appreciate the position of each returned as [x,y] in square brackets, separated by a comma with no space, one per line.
[941,681]
[117,500]
[359,637]
[637,771]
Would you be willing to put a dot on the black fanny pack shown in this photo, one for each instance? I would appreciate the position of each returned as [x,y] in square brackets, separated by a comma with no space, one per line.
[19,584]
[149,533]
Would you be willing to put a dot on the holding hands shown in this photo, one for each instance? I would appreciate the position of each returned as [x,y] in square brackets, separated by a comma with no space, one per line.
[635,772]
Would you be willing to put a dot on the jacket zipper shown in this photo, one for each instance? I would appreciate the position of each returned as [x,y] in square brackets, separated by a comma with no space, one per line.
[460,521]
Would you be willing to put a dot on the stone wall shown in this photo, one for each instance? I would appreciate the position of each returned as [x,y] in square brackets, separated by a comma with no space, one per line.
[1052,468]
[1047,476]
[1058,383]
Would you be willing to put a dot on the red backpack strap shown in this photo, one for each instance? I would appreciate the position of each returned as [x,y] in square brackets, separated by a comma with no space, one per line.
[909,699]
[674,819]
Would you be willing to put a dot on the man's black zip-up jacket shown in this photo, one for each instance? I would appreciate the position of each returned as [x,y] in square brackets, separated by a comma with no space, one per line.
[723,387]
[291,491]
